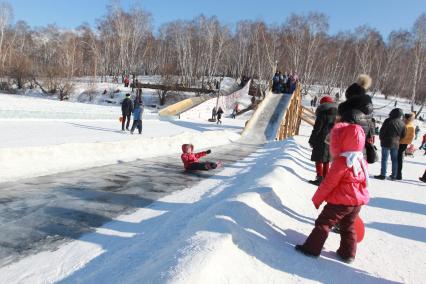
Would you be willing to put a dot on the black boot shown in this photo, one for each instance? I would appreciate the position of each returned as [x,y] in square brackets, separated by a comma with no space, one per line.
[317,181]
[423,178]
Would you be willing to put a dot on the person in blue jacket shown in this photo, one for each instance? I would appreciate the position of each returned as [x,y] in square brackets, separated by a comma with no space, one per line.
[137,118]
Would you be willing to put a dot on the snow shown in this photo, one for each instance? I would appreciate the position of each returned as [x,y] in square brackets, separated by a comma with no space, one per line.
[41,135]
[242,228]
[238,227]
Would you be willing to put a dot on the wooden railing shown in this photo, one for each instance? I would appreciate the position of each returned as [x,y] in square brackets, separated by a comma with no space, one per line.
[292,118]
[308,115]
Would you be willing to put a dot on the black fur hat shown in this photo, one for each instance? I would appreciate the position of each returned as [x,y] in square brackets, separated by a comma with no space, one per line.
[361,85]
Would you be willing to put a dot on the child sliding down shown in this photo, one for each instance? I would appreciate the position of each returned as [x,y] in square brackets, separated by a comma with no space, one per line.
[191,162]
[345,191]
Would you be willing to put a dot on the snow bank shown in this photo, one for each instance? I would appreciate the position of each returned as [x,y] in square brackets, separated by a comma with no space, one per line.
[25,162]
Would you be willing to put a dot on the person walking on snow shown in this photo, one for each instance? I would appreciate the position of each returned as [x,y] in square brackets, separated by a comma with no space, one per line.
[405,141]
[235,111]
[345,191]
[219,115]
[324,122]
[137,118]
[191,160]
[126,111]
[391,132]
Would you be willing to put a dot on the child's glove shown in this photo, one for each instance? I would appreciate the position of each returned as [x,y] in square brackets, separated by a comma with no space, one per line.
[208,151]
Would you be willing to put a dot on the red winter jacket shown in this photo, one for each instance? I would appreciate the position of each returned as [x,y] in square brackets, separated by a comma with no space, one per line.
[190,158]
[341,186]
[424,139]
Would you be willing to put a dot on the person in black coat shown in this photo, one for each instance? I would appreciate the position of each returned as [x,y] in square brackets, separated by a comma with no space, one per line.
[126,111]
[393,130]
[324,122]
[219,115]
[358,107]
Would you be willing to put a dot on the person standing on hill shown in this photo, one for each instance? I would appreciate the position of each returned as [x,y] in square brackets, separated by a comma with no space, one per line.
[358,107]
[126,111]
[324,122]
[392,131]
[405,141]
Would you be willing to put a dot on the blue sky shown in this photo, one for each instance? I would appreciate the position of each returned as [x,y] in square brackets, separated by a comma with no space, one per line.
[384,15]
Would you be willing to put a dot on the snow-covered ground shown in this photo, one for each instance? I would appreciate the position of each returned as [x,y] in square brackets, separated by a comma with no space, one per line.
[238,227]
[50,136]
[242,228]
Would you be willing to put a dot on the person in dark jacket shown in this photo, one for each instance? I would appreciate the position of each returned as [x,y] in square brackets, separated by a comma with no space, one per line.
[324,122]
[391,132]
[137,118]
[358,107]
[219,115]
[126,111]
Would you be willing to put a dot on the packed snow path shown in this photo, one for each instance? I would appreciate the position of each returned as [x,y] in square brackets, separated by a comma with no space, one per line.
[41,213]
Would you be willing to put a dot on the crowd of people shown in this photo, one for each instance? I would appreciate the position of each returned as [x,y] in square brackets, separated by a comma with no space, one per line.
[342,142]
[284,83]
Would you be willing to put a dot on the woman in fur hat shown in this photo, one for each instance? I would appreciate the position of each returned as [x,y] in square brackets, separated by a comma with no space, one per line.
[358,107]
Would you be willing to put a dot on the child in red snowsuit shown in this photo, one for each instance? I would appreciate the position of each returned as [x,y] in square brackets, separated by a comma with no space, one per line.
[191,160]
[345,191]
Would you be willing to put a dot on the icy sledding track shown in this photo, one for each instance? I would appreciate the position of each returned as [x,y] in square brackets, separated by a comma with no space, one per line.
[42,213]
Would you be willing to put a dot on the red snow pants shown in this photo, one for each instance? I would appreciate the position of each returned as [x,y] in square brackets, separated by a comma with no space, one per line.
[330,216]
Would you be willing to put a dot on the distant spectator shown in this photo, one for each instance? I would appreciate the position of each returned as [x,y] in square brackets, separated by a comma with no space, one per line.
[126,110]
[396,103]
[337,96]
[104,92]
[214,113]
[417,131]
[405,141]
[137,118]
[138,97]
[219,115]
[126,81]
[235,111]
[393,129]
[315,101]
[423,145]
[275,82]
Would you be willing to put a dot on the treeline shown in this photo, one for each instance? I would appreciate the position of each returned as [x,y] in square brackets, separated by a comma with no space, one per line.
[123,42]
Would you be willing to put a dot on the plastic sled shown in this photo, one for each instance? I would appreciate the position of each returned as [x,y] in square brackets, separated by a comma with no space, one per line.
[360,229]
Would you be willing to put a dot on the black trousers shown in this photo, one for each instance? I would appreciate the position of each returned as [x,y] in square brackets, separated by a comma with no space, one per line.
[401,153]
[204,166]
[138,124]
[126,120]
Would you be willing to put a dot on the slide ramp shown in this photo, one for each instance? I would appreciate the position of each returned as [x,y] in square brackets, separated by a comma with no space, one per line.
[266,120]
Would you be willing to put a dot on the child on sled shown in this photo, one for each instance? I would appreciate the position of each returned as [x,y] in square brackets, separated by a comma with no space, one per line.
[191,160]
